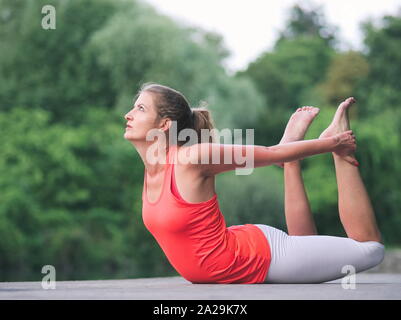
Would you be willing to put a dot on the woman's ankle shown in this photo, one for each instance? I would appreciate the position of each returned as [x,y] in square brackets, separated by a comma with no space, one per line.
[290,164]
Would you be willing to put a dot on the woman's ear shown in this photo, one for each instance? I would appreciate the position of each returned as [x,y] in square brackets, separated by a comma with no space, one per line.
[165,125]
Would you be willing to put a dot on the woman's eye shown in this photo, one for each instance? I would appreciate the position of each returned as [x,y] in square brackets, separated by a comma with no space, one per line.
[133,107]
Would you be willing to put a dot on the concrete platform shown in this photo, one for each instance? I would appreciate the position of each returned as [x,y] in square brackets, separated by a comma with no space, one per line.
[368,286]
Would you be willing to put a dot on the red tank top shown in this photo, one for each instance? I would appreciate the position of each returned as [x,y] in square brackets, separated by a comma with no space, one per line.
[196,241]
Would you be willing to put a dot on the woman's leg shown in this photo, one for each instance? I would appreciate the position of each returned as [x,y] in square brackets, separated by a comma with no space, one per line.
[317,259]
[298,214]
[355,209]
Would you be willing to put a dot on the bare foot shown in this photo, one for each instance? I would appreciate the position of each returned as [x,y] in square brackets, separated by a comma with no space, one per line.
[340,123]
[296,127]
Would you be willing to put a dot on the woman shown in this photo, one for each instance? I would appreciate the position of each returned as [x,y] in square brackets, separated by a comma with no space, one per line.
[181,210]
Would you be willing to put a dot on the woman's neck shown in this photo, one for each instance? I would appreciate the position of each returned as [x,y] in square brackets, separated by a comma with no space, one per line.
[154,156]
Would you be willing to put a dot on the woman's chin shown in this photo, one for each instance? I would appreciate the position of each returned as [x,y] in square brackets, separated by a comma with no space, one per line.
[131,137]
[128,136]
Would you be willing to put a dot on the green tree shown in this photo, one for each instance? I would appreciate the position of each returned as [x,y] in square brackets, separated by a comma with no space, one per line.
[286,78]
[308,20]
[50,69]
[70,184]
[154,47]
[381,88]
[345,73]
[287,75]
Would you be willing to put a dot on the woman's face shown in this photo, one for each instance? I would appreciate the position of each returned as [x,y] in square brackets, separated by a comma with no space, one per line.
[141,118]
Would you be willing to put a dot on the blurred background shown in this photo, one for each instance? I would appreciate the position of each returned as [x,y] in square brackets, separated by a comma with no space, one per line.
[71,186]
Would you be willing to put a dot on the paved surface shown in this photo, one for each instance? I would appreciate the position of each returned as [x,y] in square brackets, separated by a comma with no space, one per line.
[368,286]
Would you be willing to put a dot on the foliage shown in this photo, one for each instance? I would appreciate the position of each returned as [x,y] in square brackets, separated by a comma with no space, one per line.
[381,88]
[308,21]
[71,186]
[345,72]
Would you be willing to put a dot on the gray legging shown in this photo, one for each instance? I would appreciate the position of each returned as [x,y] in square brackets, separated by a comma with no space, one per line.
[315,258]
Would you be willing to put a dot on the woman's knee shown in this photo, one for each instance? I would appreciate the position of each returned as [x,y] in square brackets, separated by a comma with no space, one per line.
[376,253]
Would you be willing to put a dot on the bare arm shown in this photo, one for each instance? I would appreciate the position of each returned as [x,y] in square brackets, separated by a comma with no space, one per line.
[295,150]
[214,158]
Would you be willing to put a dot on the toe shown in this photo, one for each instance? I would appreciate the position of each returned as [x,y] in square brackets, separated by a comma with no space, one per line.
[344,104]
[347,102]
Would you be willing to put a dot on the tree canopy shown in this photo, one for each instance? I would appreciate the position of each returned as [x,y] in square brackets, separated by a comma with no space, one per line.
[71,186]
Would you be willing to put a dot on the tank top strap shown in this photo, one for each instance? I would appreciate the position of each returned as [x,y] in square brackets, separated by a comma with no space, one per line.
[172,187]
[170,160]
[169,181]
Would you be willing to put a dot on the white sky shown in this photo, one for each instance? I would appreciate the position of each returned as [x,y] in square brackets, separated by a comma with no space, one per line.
[250,27]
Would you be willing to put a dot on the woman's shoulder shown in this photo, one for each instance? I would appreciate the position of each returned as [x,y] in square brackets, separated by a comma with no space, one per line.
[187,159]
[193,173]
[185,154]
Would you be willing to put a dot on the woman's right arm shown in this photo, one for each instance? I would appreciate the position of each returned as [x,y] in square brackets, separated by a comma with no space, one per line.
[211,158]
[342,143]
[297,150]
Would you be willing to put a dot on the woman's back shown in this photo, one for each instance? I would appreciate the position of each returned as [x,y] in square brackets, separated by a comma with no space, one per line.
[196,240]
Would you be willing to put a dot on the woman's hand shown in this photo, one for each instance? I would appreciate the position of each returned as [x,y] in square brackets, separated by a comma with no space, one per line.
[346,146]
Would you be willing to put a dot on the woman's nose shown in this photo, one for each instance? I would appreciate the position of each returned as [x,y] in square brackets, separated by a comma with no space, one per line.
[128,117]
